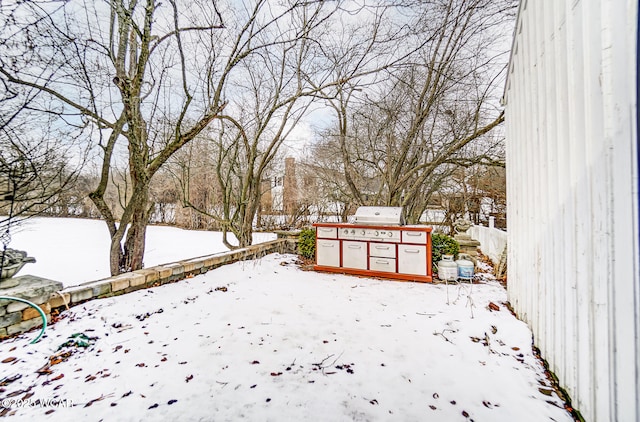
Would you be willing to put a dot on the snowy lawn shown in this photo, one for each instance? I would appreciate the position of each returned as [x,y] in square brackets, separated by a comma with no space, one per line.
[75,250]
[265,341]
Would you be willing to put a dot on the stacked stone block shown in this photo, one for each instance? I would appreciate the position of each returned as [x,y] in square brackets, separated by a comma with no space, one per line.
[17,317]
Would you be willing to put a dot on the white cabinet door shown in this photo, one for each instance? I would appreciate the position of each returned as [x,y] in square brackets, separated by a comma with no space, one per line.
[328,252]
[412,259]
[354,254]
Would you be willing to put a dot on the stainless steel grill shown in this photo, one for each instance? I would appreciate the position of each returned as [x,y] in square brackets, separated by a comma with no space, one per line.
[379,215]
[378,243]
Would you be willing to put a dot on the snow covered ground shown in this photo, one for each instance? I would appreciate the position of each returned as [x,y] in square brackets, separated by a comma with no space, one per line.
[265,341]
[74,250]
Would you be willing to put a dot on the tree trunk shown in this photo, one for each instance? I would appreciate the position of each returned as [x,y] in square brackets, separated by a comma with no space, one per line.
[245,237]
[115,254]
[134,245]
[133,224]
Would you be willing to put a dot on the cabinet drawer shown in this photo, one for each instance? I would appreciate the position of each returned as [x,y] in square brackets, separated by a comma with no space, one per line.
[327,232]
[382,264]
[384,250]
[414,237]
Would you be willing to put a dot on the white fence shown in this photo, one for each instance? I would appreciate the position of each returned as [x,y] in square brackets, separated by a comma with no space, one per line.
[572,189]
[492,242]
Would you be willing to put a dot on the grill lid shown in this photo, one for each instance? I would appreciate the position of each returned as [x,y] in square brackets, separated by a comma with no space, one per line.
[379,215]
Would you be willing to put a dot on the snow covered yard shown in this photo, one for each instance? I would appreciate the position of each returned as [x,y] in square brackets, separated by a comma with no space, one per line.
[76,250]
[263,340]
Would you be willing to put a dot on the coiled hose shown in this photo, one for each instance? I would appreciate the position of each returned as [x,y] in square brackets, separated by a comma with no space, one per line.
[33,305]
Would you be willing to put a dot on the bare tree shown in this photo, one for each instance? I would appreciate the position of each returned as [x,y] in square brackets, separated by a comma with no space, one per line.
[331,192]
[269,104]
[149,77]
[35,172]
[193,173]
[39,160]
[403,136]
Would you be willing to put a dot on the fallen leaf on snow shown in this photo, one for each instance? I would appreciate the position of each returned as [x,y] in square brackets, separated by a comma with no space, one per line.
[90,402]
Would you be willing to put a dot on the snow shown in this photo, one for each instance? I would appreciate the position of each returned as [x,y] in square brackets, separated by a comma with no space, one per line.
[264,340]
[61,244]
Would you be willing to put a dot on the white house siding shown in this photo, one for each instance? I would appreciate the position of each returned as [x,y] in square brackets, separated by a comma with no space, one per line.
[572,189]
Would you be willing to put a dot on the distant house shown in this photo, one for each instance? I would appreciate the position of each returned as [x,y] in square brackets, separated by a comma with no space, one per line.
[280,189]
[572,192]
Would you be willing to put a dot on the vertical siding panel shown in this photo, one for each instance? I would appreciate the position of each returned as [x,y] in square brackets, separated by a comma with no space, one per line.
[523,150]
[565,213]
[512,173]
[619,24]
[519,149]
[547,110]
[527,63]
[580,234]
[599,170]
[537,115]
[552,233]
[554,156]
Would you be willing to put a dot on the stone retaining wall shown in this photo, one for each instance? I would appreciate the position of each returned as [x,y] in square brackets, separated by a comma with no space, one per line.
[17,317]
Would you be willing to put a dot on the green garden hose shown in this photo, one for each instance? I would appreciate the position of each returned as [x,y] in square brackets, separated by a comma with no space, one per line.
[33,305]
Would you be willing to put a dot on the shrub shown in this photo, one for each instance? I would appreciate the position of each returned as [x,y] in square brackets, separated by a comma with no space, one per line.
[441,244]
[307,243]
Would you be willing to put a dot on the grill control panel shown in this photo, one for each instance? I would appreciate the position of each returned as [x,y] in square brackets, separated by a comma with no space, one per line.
[378,235]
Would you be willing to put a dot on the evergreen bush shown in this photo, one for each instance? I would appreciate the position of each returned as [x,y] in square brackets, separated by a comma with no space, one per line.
[307,243]
[441,244]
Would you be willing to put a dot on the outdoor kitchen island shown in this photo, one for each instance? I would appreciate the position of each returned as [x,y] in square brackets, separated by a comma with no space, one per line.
[377,244]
